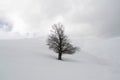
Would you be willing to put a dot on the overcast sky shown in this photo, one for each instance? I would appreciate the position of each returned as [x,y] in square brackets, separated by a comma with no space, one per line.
[80,17]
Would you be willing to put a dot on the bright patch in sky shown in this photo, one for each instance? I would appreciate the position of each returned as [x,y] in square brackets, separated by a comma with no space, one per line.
[18,23]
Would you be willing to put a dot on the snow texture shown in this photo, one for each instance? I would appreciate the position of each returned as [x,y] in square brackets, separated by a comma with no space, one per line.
[30,59]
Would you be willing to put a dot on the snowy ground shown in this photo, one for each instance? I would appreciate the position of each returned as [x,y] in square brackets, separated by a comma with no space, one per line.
[30,59]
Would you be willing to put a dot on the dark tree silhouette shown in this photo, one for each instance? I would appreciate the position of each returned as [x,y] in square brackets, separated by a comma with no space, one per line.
[59,42]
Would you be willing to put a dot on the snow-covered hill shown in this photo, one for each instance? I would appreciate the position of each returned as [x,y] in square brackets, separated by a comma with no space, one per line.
[30,59]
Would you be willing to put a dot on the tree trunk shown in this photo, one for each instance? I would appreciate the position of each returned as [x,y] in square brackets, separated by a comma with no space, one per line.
[60,56]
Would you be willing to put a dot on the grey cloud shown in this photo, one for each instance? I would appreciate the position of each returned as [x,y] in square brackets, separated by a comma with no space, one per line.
[102,15]
[99,17]
[5,25]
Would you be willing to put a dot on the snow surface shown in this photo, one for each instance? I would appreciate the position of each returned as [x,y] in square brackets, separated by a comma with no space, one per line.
[30,59]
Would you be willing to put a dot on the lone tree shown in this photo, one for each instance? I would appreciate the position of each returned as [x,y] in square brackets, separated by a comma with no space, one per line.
[59,42]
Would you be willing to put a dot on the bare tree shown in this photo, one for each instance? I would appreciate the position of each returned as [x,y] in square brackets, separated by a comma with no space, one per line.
[59,42]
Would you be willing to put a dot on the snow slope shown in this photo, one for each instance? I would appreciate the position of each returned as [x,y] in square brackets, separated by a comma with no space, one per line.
[30,59]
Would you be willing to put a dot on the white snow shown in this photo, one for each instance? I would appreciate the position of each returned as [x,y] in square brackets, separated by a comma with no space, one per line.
[30,59]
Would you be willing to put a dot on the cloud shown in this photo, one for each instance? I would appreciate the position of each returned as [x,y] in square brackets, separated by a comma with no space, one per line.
[5,25]
[87,17]
[102,15]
